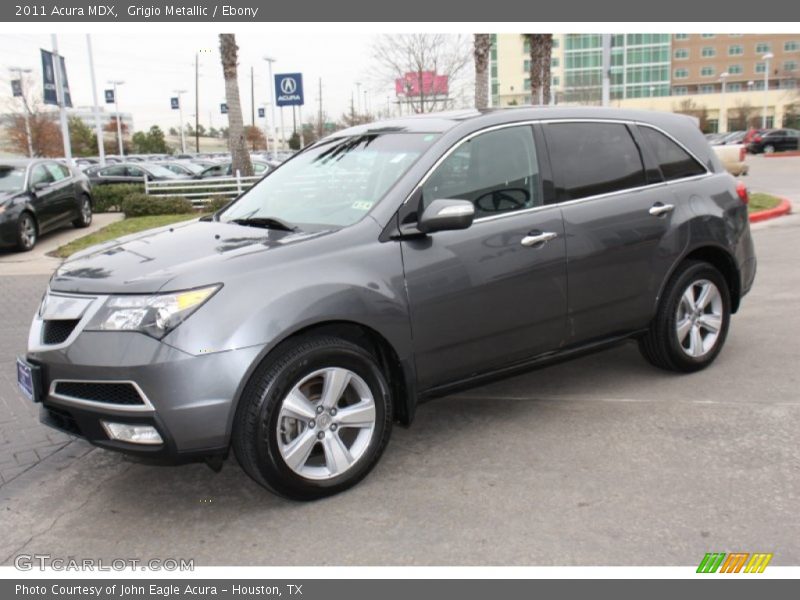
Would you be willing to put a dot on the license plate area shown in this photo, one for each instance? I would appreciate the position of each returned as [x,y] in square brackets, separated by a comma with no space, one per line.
[29,380]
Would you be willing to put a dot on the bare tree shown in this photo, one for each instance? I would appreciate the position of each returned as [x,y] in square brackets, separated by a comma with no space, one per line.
[237,143]
[541,49]
[44,128]
[417,53]
[482,48]
[699,112]
[743,114]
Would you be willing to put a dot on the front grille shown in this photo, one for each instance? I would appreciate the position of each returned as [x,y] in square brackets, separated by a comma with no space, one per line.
[107,393]
[57,331]
[63,420]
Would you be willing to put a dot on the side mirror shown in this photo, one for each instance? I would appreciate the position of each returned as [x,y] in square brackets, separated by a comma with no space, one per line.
[446,215]
[37,187]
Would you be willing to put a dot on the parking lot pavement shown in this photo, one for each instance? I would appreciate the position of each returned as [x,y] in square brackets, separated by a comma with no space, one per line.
[779,175]
[36,262]
[599,461]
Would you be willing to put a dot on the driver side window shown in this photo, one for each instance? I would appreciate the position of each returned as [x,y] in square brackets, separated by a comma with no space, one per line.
[497,171]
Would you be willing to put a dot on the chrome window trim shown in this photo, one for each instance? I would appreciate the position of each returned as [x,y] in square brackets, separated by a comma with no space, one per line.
[545,121]
[117,408]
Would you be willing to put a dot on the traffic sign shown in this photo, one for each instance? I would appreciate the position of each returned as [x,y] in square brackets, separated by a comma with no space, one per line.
[109,96]
[289,89]
[223,108]
[174,103]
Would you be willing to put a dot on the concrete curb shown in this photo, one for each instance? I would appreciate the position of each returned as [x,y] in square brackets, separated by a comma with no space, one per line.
[785,154]
[783,208]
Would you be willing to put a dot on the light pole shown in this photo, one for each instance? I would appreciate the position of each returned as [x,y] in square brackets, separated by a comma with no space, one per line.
[723,114]
[266,105]
[358,95]
[98,127]
[180,116]
[271,60]
[19,71]
[766,58]
[115,83]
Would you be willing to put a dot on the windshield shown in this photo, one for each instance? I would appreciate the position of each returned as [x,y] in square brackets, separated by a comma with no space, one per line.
[12,179]
[196,169]
[333,183]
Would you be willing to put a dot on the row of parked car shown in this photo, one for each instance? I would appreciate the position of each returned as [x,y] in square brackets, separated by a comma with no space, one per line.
[43,194]
[759,141]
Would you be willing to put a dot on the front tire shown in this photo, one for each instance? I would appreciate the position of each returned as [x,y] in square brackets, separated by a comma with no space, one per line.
[27,232]
[315,419]
[692,320]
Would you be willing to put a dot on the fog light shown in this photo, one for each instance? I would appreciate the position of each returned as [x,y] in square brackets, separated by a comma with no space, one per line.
[134,434]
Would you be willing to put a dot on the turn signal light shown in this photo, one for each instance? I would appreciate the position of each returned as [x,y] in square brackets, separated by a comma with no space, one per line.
[741,191]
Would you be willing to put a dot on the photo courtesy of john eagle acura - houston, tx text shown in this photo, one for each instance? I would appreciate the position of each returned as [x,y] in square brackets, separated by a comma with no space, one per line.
[385,265]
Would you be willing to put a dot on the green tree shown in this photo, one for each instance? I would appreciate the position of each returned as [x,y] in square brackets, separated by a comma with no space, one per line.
[152,142]
[82,138]
[294,141]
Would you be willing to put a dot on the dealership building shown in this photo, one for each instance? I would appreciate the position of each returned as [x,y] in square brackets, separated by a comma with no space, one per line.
[664,72]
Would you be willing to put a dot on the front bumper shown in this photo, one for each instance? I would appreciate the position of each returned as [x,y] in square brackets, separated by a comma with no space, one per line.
[189,399]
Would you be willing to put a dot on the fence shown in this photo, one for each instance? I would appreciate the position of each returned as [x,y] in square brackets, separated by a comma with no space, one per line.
[199,191]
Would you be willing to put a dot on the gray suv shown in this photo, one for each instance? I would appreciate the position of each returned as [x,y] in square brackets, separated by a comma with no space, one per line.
[385,265]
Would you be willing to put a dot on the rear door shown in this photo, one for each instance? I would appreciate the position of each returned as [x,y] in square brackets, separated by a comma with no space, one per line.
[486,297]
[45,196]
[65,203]
[617,219]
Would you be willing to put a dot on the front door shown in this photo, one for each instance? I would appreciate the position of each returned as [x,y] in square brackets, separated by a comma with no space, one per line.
[493,294]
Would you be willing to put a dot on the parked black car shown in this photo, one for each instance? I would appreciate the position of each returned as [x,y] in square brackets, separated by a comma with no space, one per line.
[129,173]
[774,140]
[388,264]
[37,196]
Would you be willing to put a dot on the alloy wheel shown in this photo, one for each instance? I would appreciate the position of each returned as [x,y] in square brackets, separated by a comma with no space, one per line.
[326,423]
[699,318]
[27,232]
[86,212]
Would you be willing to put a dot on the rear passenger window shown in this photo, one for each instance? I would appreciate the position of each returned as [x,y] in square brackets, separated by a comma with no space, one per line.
[674,161]
[593,158]
[497,171]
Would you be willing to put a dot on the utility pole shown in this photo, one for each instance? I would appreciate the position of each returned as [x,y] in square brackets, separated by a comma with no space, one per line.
[119,118]
[252,100]
[358,95]
[19,71]
[321,124]
[101,150]
[271,84]
[62,109]
[196,102]
[352,109]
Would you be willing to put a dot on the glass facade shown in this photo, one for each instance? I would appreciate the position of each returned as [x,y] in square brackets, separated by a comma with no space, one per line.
[640,66]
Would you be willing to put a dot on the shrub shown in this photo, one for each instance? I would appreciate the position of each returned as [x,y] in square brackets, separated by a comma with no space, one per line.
[142,205]
[212,205]
[109,197]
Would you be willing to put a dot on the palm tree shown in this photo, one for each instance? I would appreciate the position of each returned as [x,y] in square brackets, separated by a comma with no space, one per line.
[481,49]
[236,139]
[541,49]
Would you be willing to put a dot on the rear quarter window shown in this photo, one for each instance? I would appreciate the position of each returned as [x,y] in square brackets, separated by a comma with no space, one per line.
[674,161]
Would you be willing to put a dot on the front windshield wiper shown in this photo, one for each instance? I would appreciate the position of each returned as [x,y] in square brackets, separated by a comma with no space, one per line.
[266,223]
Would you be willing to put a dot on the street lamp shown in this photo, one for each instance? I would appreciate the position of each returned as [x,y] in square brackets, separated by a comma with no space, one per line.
[766,58]
[723,115]
[19,71]
[358,95]
[180,116]
[266,105]
[115,83]
[271,60]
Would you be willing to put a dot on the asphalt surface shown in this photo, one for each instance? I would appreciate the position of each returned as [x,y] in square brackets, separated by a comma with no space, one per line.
[600,461]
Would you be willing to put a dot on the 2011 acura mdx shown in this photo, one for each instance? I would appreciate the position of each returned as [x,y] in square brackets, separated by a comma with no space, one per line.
[384,265]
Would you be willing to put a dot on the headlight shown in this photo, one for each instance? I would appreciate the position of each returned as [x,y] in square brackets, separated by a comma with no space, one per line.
[154,315]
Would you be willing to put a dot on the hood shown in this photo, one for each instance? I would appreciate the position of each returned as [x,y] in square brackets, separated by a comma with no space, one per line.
[197,252]
[5,196]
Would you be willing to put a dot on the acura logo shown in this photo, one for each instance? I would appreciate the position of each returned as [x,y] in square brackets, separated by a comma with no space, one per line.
[288,85]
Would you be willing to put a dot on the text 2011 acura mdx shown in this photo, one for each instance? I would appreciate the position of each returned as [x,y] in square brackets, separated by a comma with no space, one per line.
[390,263]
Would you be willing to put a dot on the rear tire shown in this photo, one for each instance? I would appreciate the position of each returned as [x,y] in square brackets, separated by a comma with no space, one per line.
[314,419]
[85,218]
[27,232]
[692,320]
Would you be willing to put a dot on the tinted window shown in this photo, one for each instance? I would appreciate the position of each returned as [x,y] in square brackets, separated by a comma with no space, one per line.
[40,175]
[593,158]
[497,171]
[134,171]
[56,171]
[674,161]
[115,171]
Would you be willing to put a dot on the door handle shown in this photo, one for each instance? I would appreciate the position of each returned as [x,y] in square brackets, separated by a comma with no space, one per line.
[661,209]
[538,238]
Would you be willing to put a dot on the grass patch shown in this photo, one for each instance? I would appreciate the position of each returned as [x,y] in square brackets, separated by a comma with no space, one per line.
[760,202]
[119,229]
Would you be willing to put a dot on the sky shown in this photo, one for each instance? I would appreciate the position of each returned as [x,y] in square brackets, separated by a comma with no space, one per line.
[154,65]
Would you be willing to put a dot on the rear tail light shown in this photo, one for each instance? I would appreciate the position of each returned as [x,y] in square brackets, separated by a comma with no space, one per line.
[741,191]
[742,154]
[757,138]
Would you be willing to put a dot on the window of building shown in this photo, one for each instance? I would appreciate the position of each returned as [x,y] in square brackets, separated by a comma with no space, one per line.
[593,158]
[681,73]
[790,65]
[527,84]
[791,46]
[709,52]
[708,36]
[675,162]
[735,50]
[556,81]
[497,171]
[761,67]
[707,71]
[763,47]
[788,84]
[494,70]
[681,54]
[735,69]
[706,89]
[734,87]
[681,36]
[680,90]
[554,61]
